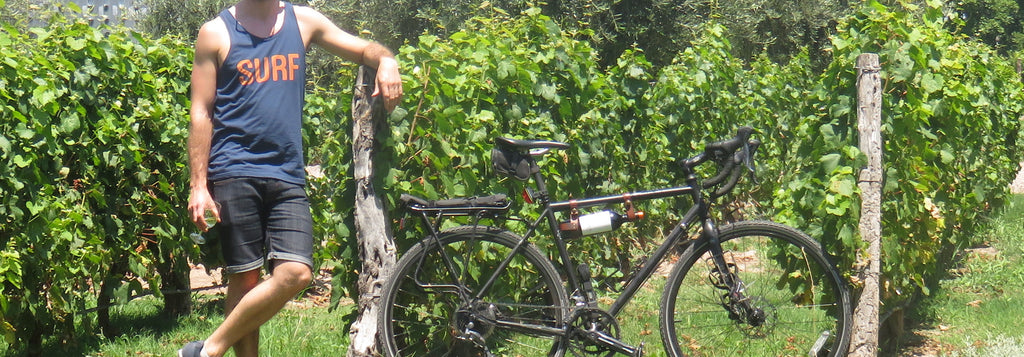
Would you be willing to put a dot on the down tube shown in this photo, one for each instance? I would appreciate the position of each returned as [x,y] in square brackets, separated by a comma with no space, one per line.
[651,264]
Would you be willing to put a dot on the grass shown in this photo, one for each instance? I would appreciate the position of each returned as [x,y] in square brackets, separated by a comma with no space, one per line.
[301,329]
[979,309]
[998,346]
[639,319]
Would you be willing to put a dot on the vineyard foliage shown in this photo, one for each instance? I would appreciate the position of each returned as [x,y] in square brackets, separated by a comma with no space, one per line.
[91,173]
[951,121]
[94,124]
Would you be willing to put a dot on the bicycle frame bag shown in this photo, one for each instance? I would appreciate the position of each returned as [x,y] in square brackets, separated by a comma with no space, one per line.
[512,163]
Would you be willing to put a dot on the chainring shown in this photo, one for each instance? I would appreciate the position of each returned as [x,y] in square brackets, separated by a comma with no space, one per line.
[587,320]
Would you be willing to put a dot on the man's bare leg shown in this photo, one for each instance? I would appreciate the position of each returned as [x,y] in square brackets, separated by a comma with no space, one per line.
[238,285]
[257,306]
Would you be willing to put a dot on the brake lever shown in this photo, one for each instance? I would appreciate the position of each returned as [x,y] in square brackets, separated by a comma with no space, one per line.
[748,158]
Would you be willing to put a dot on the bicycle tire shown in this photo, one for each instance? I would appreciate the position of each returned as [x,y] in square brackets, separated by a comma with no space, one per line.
[787,277]
[422,311]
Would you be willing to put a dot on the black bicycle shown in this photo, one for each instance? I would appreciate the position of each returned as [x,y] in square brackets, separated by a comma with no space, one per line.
[749,288]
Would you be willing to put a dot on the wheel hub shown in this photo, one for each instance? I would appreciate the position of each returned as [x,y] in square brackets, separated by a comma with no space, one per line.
[477,316]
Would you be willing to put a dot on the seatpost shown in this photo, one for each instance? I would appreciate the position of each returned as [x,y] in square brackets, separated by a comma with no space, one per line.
[541,196]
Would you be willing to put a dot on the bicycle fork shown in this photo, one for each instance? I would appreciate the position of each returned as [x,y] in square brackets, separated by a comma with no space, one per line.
[741,308]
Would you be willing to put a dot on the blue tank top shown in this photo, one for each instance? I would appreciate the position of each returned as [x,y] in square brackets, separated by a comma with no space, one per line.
[257,123]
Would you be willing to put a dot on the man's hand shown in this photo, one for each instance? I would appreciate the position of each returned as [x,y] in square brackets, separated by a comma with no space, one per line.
[198,202]
[319,30]
[389,83]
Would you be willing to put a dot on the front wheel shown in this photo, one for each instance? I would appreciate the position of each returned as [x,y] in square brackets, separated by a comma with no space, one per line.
[436,303]
[777,295]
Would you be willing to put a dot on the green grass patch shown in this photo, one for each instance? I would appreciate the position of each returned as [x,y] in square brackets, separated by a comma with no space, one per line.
[300,329]
[639,319]
[979,308]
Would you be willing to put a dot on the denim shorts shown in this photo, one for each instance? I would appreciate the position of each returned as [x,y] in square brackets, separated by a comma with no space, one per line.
[263,220]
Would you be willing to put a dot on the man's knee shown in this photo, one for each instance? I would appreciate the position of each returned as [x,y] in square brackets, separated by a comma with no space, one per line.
[293,275]
[245,281]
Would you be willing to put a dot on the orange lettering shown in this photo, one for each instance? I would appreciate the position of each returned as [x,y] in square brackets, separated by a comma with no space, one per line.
[274,68]
[244,67]
[292,65]
[262,72]
[280,71]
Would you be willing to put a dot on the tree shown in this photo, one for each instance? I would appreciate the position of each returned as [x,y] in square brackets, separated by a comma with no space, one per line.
[179,17]
[376,246]
[662,28]
[997,23]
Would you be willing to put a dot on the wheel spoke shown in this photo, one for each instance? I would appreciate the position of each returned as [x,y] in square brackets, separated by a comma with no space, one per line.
[424,314]
[785,295]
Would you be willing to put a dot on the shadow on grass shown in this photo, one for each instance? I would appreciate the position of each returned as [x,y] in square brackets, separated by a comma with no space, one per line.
[976,299]
[140,318]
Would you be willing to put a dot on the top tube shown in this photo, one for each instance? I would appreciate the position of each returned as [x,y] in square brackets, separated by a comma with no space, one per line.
[635,196]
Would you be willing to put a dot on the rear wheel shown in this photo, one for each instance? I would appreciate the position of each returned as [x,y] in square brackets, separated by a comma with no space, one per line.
[778,296]
[430,306]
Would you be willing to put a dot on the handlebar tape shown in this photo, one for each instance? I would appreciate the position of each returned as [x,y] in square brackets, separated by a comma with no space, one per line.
[727,147]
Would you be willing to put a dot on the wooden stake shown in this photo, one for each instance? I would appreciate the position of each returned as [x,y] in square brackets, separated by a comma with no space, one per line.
[376,245]
[869,119]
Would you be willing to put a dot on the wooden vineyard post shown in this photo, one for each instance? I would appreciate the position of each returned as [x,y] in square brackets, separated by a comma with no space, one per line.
[376,246]
[869,118]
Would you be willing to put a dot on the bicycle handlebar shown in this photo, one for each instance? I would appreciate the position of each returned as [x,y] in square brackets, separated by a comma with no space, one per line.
[728,154]
[727,147]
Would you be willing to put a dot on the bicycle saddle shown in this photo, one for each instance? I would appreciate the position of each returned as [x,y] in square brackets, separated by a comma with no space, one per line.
[529,144]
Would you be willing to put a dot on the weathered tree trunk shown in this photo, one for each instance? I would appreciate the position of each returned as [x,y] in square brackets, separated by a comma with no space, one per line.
[869,119]
[106,296]
[376,247]
[175,278]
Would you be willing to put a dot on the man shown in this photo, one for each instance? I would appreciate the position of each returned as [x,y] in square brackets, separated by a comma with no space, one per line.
[245,152]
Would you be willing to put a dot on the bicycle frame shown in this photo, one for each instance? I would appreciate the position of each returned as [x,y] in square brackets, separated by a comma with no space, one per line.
[697,212]
[567,310]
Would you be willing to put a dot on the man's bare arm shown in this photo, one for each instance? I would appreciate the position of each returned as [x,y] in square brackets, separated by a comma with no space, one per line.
[319,30]
[204,94]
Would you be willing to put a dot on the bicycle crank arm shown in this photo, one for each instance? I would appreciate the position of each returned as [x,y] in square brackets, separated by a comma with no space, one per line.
[615,344]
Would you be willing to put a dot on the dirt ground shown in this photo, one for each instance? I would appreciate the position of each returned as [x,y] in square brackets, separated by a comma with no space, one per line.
[206,282]
[922,343]
[1018,184]
[212,282]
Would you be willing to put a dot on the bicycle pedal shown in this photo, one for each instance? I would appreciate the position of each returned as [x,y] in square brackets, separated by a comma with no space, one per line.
[817,349]
[614,344]
[639,350]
